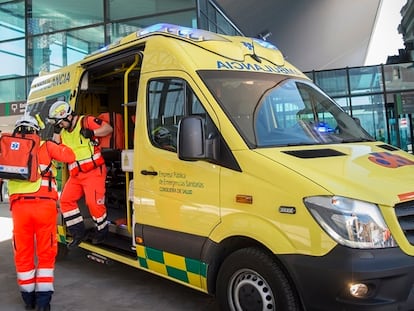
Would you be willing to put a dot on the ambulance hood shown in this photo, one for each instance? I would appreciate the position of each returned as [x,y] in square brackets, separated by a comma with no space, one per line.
[374,172]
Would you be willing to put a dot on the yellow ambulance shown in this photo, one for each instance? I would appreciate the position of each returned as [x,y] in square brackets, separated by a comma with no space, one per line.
[240,178]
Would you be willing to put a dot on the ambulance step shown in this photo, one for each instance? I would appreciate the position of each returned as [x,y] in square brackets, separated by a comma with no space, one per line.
[98,258]
[119,244]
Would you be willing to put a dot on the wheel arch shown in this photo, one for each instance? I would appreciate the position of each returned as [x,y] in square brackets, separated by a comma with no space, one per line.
[216,254]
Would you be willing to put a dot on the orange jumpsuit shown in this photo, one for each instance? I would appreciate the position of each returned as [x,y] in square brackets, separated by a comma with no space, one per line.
[87,178]
[34,212]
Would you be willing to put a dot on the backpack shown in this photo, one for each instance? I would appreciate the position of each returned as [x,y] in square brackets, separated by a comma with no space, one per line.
[19,156]
[116,140]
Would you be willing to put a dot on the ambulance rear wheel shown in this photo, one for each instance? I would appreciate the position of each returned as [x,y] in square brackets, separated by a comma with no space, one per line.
[249,279]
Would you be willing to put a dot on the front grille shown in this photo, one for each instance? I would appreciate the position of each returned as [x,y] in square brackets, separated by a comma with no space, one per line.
[405,215]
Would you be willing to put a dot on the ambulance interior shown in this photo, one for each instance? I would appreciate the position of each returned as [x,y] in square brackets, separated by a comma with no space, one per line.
[110,85]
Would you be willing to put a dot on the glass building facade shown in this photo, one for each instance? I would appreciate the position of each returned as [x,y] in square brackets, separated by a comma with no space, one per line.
[43,35]
[380,97]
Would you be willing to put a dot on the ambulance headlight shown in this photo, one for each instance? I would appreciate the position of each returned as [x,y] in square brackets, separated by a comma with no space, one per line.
[349,222]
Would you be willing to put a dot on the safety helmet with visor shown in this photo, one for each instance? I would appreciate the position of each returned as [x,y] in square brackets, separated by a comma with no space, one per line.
[59,111]
[27,124]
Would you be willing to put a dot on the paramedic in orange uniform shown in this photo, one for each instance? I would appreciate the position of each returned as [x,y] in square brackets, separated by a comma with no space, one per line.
[86,175]
[34,211]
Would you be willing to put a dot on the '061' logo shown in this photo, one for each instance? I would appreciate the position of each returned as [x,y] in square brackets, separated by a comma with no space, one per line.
[390,160]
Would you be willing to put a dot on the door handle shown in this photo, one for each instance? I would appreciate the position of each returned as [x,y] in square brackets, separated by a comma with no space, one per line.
[152,173]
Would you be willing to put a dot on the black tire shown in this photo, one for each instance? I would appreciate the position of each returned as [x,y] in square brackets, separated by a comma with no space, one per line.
[251,280]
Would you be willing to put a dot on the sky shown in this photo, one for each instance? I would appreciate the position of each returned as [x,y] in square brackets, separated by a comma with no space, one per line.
[386,40]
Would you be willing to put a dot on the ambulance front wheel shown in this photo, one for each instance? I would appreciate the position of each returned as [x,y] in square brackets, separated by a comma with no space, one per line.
[249,279]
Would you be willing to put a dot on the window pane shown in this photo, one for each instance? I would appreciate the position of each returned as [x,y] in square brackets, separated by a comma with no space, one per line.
[333,82]
[365,80]
[399,77]
[11,25]
[309,75]
[60,49]
[407,100]
[12,55]
[166,107]
[168,101]
[344,103]
[119,30]
[224,27]
[65,14]
[12,90]
[119,9]
[211,18]
[371,113]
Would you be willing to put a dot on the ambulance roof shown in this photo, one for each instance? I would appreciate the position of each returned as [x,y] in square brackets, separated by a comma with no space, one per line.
[180,32]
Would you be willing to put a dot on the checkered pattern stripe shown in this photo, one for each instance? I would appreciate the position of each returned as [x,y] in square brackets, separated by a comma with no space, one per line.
[183,269]
[61,237]
[186,270]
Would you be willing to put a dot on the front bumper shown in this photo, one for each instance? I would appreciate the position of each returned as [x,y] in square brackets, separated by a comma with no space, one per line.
[323,282]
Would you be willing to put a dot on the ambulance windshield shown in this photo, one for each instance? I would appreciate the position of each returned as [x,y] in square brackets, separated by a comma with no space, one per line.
[278,110]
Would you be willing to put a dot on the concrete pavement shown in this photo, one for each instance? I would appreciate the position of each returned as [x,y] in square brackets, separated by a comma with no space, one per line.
[82,284]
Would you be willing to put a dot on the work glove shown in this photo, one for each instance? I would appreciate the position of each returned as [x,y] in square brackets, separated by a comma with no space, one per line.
[87,133]
[57,129]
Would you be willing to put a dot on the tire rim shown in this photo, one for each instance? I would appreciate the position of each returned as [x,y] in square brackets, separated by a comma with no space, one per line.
[248,290]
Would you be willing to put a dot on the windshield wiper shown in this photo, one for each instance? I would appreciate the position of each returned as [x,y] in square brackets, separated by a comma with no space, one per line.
[357,140]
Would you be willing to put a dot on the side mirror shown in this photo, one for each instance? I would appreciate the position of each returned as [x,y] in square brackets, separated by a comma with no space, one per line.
[190,144]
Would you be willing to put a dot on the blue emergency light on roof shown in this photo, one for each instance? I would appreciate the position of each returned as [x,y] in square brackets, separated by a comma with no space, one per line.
[174,30]
[181,31]
[188,33]
[106,47]
[150,29]
[265,44]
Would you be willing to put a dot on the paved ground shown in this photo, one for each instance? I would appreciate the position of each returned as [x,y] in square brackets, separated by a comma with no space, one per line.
[81,284]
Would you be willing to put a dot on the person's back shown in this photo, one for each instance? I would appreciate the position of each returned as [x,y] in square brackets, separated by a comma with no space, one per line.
[34,211]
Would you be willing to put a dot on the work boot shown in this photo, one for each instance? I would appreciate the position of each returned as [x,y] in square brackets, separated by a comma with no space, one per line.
[78,233]
[43,299]
[76,240]
[29,300]
[100,236]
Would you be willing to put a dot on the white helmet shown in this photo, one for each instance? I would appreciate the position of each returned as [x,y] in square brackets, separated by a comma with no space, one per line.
[27,123]
[60,110]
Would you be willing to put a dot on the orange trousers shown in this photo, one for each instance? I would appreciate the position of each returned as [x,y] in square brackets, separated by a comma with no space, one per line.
[92,185]
[34,236]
